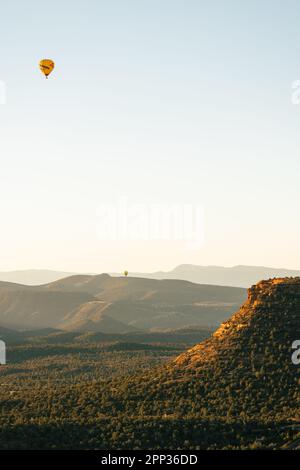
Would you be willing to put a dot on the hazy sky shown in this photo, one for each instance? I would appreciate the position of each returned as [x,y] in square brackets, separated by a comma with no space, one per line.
[159,101]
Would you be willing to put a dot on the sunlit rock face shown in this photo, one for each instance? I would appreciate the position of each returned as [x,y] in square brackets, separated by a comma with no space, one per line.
[269,319]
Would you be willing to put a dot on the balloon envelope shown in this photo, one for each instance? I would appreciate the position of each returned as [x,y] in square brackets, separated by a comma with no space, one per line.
[46,66]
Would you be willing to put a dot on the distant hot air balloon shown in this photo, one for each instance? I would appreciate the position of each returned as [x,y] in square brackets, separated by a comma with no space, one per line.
[125,273]
[46,66]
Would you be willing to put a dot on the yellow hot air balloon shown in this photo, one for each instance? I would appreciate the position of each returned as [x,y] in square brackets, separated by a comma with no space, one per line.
[46,66]
[125,273]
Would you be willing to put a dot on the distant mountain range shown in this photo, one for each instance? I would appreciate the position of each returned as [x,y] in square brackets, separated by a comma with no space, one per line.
[236,276]
[33,277]
[102,303]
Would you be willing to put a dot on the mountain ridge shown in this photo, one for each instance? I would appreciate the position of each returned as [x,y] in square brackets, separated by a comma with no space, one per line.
[91,302]
[244,370]
[235,276]
[260,297]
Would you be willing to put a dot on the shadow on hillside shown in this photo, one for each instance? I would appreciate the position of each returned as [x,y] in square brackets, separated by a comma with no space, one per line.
[146,434]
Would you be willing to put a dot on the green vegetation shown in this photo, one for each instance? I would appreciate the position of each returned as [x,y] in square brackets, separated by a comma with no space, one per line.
[236,390]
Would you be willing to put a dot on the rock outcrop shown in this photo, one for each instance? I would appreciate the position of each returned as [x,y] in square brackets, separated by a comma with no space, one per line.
[270,318]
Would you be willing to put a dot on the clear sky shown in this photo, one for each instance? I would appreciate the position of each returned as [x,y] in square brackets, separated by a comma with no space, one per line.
[159,101]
